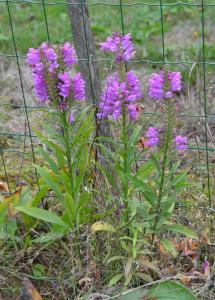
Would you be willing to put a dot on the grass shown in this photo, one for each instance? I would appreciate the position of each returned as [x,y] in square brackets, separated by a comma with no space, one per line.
[182,27]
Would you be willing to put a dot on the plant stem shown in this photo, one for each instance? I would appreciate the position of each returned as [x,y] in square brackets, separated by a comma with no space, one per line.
[167,145]
[125,183]
[63,116]
[67,148]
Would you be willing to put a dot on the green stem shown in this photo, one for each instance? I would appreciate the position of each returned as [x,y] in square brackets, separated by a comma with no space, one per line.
[125,145]
[167,146]
[67,147]
[63,116]
[125,153]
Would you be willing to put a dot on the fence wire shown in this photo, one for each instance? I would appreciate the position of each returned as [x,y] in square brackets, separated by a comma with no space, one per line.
[28,153]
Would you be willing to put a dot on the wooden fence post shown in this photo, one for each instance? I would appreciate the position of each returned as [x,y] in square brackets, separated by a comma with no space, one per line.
[85,48]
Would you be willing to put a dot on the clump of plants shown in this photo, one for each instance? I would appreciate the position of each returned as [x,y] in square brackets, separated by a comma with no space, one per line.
[125,198]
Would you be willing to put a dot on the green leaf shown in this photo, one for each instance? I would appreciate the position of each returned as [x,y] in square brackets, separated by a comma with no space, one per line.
[39,270]
[41,214]
[8,229]
[135,135]
[39,195]
[146,169]
[49,237]
[168,245]
[115,279]
[113,258]
[60,154]
[50,182]
[84,198]
[50,160]
[144,276]
[169,290]
[180,229]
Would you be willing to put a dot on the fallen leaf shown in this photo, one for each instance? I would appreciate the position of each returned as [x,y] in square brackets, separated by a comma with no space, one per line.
[29,292]
[102,226]
[86,281]
[184,279]
[10,210]
[205,239]
[4,186]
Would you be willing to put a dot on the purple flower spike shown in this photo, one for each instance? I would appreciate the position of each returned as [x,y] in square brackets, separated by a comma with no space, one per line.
[121,45]
[133,111]
[117,93]
[78,87]
[134,87]
[156,82]
[71,118]
[65,85]
[50,54]
[69,55]
[180,142]
[39,83]
[33,56]
[175,81]
[162,86]
[110,98]
[152,135]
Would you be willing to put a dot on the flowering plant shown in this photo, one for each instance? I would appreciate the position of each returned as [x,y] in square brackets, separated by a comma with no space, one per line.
[143,193]
[66,165]
[52,82]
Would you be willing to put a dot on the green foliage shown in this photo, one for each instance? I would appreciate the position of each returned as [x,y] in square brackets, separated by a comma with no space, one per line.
[66,163]
[168,290]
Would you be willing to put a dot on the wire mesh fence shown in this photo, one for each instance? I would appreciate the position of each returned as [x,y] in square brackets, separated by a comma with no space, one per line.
[19,35]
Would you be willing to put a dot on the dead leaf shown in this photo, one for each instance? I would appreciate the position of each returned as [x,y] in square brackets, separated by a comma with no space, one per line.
[205,239]
[86,281]
[102,226]
[142,143]
[10,210]
[146,264]
[95,270]
[29,292]
[184,279]
[128,266]
[4,186]
[189,246]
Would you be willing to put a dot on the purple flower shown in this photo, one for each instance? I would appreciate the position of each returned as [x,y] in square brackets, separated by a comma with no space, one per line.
[156,86]
[205,265]
[53,66]
[78,85]
[49,73]
[180,142]
[69,55]
[33,56]
[162,85]
[133,86]
[121,45]
[175,81]
[110,98]
[63,105]
[117,93]
[64,85]
[50,54]
[71,118]
[39,82]
[152,135]
[133,111]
